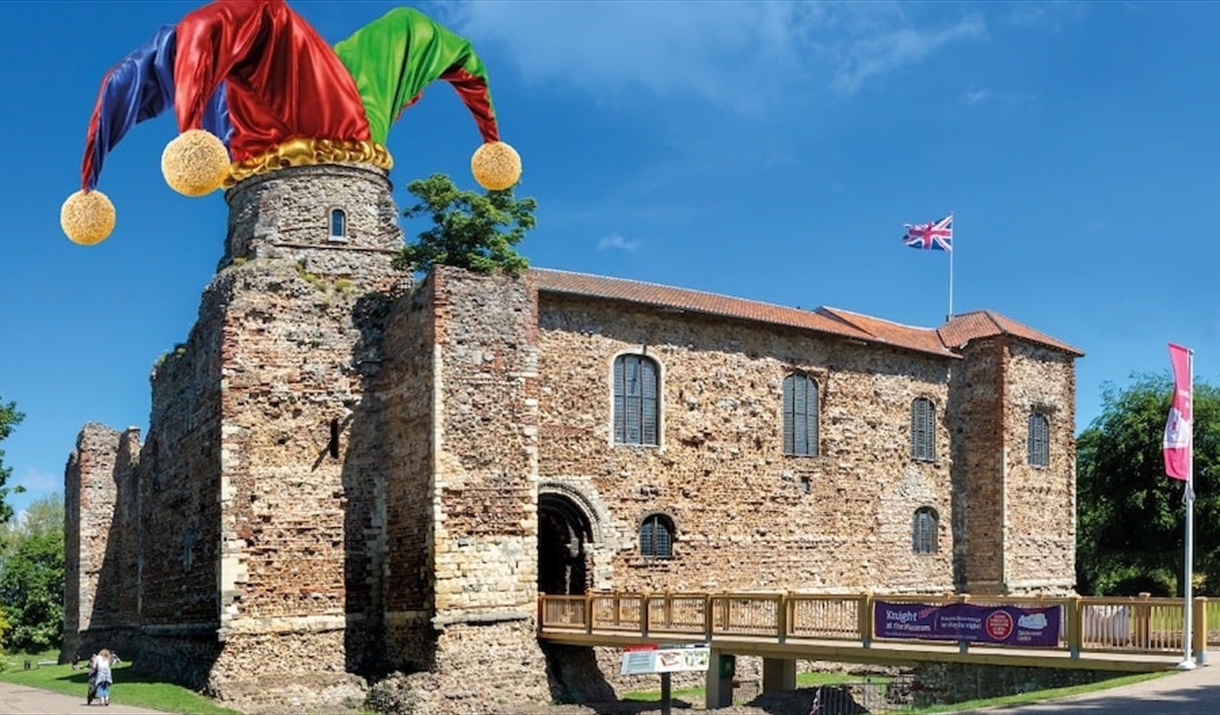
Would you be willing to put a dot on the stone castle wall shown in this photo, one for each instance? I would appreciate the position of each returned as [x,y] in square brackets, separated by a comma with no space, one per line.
[342,473]
[302,516]
[408,396]
[179,481]
[486,465]
[1041,501]
[485,535]
[839,520]
[100,538]
[1019,520]
[976,392]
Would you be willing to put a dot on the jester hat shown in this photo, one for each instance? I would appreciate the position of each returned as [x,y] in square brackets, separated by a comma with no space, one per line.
[255,89]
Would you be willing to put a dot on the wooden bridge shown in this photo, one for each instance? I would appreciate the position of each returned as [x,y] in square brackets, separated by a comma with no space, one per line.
[1120,634]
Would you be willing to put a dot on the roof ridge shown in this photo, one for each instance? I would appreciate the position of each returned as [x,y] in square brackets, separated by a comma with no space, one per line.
[884,320]
[678,288]
[997,324]
[834,314]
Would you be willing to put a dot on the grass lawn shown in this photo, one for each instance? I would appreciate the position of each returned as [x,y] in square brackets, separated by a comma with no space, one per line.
[1040,695]
[129,688]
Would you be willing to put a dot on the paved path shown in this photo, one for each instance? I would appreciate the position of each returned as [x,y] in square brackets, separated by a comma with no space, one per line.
[24,700]
[1192,692]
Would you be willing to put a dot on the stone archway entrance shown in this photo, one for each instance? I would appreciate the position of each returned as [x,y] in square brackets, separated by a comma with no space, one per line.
[564,534]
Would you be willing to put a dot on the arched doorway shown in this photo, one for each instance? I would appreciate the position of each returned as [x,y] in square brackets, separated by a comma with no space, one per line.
[563,554]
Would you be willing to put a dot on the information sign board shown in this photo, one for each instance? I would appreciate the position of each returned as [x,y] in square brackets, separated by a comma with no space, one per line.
[655,658]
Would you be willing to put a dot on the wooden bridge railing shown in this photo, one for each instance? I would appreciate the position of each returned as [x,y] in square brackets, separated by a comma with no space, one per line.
[1087,624]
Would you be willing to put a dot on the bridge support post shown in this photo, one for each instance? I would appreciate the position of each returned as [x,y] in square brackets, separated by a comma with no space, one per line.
[718,691]
[778,674]
[1199,639]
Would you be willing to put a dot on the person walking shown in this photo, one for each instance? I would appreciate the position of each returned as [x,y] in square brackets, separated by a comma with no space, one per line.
[104,678]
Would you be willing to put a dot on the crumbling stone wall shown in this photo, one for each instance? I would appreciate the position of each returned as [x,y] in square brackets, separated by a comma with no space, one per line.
[408,395]
[100,539]
[840,520]
[179,482]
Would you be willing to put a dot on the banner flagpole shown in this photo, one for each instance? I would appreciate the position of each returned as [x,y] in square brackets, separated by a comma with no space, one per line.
[1188,499]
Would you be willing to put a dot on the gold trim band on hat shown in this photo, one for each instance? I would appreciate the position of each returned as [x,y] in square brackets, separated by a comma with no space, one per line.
[306,152]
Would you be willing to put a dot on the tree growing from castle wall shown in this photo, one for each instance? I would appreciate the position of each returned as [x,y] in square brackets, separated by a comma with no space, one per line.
[471,230]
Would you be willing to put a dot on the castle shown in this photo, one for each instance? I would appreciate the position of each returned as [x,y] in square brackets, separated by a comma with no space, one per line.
[348,473]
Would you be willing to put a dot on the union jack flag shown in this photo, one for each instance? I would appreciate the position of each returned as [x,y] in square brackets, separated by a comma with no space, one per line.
[935,235]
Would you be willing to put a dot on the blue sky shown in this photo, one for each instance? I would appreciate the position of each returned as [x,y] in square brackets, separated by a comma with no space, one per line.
[769,150]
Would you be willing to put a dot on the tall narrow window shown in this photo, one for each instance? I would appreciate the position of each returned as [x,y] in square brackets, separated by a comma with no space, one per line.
[923,430]
[636,409]
[800,415]
[338,225]
[1038,444]
[333,445]
[923,531]
[657,537]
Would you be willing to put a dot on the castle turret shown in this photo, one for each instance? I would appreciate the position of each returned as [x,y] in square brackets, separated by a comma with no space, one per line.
[1014,456]
[270,522]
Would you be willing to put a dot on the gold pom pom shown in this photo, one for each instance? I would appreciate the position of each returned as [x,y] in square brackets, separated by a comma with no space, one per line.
[196,163]
[496,166]
[87,218]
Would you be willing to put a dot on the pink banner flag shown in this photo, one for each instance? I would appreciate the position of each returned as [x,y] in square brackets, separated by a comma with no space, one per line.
[1178,429]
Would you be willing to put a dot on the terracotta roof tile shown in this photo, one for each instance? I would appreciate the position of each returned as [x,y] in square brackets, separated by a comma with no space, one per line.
[985,323]
[822,320]
[925,339]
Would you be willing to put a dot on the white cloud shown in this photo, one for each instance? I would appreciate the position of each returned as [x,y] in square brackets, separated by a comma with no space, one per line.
[617,242]
[1003,100]
[741,55]
[1044,15]
[975,97]
[889,50]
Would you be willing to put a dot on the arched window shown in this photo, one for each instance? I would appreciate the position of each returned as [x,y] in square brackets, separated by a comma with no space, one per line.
[923,531]
[923,430]
[1038,443]
[800,415]
[657,537]
[636,408]
[338,225]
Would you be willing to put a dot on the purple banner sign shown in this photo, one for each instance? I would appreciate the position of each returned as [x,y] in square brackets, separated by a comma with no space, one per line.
[999,625]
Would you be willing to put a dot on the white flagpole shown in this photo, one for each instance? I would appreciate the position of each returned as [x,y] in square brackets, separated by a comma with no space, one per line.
[952,250]
[1188,499]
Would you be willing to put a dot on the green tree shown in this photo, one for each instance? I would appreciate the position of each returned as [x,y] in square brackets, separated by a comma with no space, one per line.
[32,593]
[3,633]
[1130,516]
[470,230]
[44,515]
[9,418]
